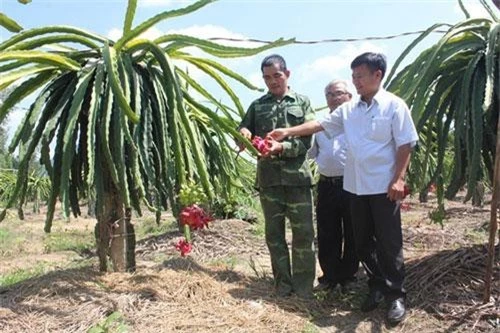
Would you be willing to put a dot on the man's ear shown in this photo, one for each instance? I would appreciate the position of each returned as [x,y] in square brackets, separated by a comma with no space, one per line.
[287,73]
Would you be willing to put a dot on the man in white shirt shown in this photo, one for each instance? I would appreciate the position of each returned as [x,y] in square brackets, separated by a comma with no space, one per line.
[381,135]
[336,252]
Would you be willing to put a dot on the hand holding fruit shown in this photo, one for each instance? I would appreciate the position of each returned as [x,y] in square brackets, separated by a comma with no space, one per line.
[397,190]
[273,147]
[267,146]
[247,135]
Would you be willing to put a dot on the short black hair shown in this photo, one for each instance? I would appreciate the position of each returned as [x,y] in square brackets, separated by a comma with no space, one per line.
[272,59]
[374,61]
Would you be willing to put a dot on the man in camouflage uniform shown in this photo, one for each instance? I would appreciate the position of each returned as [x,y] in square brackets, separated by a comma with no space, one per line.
[284,179]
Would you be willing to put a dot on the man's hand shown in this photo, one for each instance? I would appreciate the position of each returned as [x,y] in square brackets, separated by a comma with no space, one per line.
[278,134]
[273,147]
[396,190]
[247,135]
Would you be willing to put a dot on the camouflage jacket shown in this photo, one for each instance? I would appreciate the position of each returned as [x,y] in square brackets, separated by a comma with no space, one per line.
[290,168]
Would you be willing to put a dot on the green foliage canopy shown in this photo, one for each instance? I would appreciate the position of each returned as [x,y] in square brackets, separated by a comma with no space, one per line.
[452,89]
[123,111]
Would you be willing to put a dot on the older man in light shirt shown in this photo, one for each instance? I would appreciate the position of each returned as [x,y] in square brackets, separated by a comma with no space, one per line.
[381,134]
[336,251]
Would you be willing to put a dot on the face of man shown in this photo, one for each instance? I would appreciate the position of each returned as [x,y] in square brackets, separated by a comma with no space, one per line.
[336,94]
[367,82]
[276,80]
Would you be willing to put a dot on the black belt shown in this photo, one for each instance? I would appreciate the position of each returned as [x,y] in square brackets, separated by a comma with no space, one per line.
[333,180]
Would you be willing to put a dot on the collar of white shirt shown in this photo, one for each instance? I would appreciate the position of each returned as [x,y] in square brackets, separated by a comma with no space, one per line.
[382,98]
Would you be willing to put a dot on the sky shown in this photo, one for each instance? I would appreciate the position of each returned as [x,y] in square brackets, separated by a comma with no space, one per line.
[312,66]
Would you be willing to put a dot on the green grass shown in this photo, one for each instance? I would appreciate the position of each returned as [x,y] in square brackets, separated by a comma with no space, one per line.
[11,242]
[147,227]
[479,234]
[259,228]
[20,275]
[115,323]
[78,241]
[5,235]
[310,328]
[40,268]
[6,238]
[225,262]
[159,257]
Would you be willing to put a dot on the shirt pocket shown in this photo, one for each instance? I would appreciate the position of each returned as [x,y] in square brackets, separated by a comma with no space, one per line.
[295,115]
[380,129]
[265,121]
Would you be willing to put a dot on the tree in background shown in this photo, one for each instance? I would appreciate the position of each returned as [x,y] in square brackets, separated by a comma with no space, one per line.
[123,121]
[452,89]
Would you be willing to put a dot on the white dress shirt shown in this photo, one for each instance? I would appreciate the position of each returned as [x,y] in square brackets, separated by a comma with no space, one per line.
[373,134]
[329,154]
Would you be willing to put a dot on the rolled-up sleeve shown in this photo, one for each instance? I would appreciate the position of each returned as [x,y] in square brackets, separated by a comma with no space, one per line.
[332,123]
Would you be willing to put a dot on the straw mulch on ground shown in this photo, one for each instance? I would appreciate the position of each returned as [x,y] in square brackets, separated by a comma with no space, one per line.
[211,292]
[178,294]
[446,271]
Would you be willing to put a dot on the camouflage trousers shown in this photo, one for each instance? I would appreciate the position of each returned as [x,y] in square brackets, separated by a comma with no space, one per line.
[295,203]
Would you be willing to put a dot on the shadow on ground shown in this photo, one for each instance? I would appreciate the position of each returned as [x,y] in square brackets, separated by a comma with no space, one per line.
[447,285]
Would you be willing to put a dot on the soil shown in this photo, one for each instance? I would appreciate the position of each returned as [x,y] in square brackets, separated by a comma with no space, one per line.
[225,284]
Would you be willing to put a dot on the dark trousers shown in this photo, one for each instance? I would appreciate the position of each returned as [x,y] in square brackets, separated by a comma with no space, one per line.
[379,242]
[336,250]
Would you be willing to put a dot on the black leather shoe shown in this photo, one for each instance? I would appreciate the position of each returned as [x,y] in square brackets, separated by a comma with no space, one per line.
[396,311]
[347,285]
[324,287]
[325,284]
[372,301]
